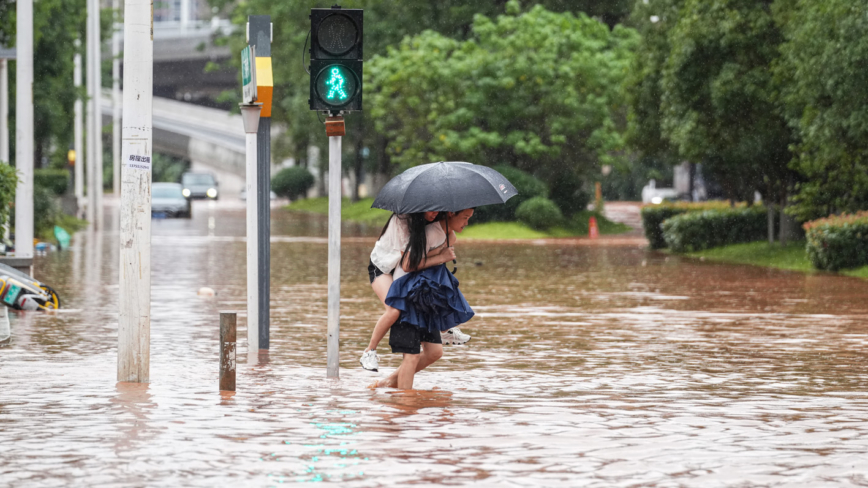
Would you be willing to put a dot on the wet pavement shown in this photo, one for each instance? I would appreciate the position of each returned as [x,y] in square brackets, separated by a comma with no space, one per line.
[602,365]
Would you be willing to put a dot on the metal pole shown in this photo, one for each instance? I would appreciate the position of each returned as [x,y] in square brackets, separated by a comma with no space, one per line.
[77,131]
[4,111]
[89,115]
[24,130]
[260,37]
[116,102]
[250,115]
[227,350]
[334,273]
[134,328]
[97,114]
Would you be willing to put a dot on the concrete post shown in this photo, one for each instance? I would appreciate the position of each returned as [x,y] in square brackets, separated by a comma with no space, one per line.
[4,110]
[134,328]
[78,132]
[116,102]
[97,117]
[24,130]
[334,269]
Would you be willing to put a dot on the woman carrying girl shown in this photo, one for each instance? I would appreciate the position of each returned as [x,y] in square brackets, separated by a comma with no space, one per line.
[402,233]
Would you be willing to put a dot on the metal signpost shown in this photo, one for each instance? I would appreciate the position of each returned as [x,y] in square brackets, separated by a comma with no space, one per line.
[259,33]
[250,111]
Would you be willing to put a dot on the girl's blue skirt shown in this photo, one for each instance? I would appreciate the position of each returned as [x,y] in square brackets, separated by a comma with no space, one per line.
[430,299]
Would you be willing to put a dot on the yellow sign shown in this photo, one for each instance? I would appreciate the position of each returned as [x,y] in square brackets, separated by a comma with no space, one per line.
[70,156]
[264,85]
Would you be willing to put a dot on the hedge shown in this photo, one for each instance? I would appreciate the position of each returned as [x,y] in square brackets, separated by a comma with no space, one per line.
[653,217]
[54,180]
[527,186]
[838,242]
[694,231]
[539,213]
[292,183]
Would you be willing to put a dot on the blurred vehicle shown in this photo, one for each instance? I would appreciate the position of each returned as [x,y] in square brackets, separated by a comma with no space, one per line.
[652,194]
[21,292]
[200,185]
[243,195]
[168,200]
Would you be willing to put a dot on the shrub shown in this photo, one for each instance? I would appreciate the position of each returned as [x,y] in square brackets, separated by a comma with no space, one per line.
[292,182]
[54,180]
[46,210]
[568,194]
[8,183]
[838,242]
[694,231]
[527,186]
[539,213]
[653,217]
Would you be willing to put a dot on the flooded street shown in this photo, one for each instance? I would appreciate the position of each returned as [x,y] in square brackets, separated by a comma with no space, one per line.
[604,365]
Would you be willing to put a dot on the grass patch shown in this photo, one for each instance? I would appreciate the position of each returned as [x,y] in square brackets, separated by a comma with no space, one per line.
[501,230]
[857,272]
[761,253]
[360,211]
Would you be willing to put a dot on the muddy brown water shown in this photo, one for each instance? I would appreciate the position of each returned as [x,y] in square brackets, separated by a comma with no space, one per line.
[589,366]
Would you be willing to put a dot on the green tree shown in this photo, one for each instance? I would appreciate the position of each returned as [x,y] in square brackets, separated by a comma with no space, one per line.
[539,91]
[718,94]
[823,68]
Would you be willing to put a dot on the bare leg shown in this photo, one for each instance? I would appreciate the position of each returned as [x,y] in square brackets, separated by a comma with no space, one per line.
[430,353]
[381,287]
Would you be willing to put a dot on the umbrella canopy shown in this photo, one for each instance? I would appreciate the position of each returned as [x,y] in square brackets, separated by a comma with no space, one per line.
[445,186]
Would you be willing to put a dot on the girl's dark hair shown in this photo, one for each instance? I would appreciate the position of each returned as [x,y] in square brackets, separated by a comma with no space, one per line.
[417,247]
[387,224]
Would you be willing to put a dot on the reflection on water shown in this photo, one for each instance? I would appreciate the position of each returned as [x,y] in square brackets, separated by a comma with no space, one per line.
[589,365]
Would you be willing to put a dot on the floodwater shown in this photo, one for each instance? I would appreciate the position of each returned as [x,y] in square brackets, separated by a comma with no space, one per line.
[602,365]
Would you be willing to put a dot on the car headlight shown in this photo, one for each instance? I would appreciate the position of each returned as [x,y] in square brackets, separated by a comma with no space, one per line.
[212,192]
[185,192]
[656,200]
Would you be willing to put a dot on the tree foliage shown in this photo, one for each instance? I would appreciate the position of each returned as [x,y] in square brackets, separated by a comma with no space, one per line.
[539,91]
[822,72]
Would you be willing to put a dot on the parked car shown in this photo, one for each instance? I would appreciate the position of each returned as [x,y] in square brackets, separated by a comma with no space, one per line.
[168,200]
[200,185]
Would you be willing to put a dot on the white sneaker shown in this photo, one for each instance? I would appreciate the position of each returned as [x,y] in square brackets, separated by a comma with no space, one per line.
[370,360]
[454,336]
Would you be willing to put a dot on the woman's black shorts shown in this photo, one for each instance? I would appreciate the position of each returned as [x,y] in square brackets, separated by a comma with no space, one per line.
[407,338]
[374,271]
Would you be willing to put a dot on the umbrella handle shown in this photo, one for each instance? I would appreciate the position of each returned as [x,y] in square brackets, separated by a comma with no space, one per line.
[454,269]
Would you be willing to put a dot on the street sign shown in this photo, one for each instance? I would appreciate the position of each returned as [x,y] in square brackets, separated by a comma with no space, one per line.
[248,74]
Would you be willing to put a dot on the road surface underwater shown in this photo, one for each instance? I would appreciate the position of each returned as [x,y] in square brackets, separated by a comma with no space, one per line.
[589,366]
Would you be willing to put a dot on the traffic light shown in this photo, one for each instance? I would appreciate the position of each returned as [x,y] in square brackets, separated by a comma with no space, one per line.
[336,59]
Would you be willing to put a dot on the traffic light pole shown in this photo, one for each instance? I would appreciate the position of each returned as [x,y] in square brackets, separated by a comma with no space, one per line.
[335,131]
[250,115]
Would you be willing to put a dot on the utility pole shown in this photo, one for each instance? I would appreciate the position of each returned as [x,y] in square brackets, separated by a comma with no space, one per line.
[116,100]
[77,131]
[259,36]
[335,130]
[24,130]
[134,327]
[89,125]
[97,116]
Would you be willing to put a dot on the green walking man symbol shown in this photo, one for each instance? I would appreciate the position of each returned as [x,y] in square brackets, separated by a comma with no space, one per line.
[336,85]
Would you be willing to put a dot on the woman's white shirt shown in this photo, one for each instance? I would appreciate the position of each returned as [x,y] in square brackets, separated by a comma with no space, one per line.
[434,234]
[389,248]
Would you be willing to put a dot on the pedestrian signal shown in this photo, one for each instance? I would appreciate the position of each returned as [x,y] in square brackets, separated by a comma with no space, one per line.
[335,59]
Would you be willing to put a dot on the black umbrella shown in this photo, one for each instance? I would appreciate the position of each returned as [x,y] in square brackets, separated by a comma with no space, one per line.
[445,186]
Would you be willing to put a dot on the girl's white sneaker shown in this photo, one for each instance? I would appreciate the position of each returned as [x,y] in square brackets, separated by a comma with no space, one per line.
[454,336]
[370,360]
